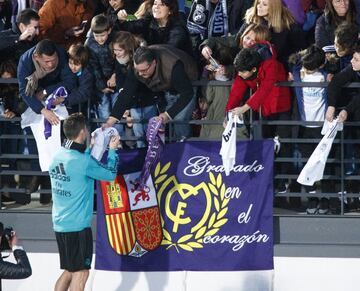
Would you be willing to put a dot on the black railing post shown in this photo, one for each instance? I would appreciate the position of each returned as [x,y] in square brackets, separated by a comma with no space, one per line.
[342,182]
[0,174]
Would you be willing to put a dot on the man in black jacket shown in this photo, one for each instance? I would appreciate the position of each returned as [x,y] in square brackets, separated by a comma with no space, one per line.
[22,268]
[21,37]
[346,107]
[349,105]
[162,69]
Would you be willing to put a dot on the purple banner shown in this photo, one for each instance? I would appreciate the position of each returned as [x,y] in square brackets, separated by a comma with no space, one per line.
[155,136]
[190,216]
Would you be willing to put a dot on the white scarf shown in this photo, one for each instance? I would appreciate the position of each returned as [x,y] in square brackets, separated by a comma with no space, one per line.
[228,144]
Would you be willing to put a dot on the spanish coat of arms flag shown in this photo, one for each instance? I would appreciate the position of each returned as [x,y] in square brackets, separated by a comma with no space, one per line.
[189,216]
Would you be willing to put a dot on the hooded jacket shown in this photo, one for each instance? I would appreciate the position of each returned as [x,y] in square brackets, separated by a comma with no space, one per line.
[101,61]
[266,96]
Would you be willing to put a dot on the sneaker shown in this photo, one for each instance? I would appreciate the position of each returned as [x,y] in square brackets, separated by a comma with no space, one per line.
[7,200]
[33,185]
[324,206]
[22,198]
[312,207]
[342,195]
[45,198]
[337,204]
[281,188]
[2,206]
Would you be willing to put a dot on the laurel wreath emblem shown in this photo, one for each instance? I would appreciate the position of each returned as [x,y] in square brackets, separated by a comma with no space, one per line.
[194,240]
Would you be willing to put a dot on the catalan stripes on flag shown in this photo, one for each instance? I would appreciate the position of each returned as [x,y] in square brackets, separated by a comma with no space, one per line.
[121,232]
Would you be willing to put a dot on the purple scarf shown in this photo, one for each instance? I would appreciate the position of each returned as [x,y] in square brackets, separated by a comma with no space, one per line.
[155,135]
[59,92]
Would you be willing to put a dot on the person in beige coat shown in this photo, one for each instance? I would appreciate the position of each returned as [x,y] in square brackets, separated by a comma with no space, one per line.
[221,69]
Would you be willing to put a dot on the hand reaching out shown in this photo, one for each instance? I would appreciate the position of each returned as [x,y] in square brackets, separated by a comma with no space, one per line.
[329,116]
[50,116]
[206,52]
[114,142]
[122,15]
[342,116]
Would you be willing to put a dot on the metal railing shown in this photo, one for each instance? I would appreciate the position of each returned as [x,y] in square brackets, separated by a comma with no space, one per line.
[336,162]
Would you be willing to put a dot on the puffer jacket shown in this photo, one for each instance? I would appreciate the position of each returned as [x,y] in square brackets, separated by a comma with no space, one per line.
[101,61]
[20,270]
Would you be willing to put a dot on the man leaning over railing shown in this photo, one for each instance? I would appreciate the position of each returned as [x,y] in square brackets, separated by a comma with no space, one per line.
[346,107]
[41,70]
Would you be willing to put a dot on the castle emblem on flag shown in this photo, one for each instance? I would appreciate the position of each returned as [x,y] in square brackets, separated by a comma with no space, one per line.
[132,216]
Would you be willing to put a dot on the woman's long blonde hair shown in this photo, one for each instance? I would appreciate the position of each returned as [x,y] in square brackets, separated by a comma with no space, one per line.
[279,17]
[144,9]
[262,33]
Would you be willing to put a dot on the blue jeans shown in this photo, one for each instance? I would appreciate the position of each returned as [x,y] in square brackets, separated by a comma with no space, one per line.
[142,113]
[181,130]
[107,101]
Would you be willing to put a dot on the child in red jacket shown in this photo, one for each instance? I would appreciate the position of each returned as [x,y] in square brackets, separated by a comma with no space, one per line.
[258,70]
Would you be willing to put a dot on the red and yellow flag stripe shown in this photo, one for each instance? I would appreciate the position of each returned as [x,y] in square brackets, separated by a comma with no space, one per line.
[121,232]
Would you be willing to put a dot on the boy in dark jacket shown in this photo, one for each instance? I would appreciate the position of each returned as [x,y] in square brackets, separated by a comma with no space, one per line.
[78,61]
[347,106]
[102,64]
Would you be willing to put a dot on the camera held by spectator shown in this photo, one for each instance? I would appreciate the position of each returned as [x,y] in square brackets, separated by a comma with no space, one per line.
[6,237]
[19,270]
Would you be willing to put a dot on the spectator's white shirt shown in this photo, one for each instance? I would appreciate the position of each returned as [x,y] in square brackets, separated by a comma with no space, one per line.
[314,99]
[47,148]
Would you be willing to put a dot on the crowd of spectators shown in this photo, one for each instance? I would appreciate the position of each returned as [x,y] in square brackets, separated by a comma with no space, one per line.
[127,60]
